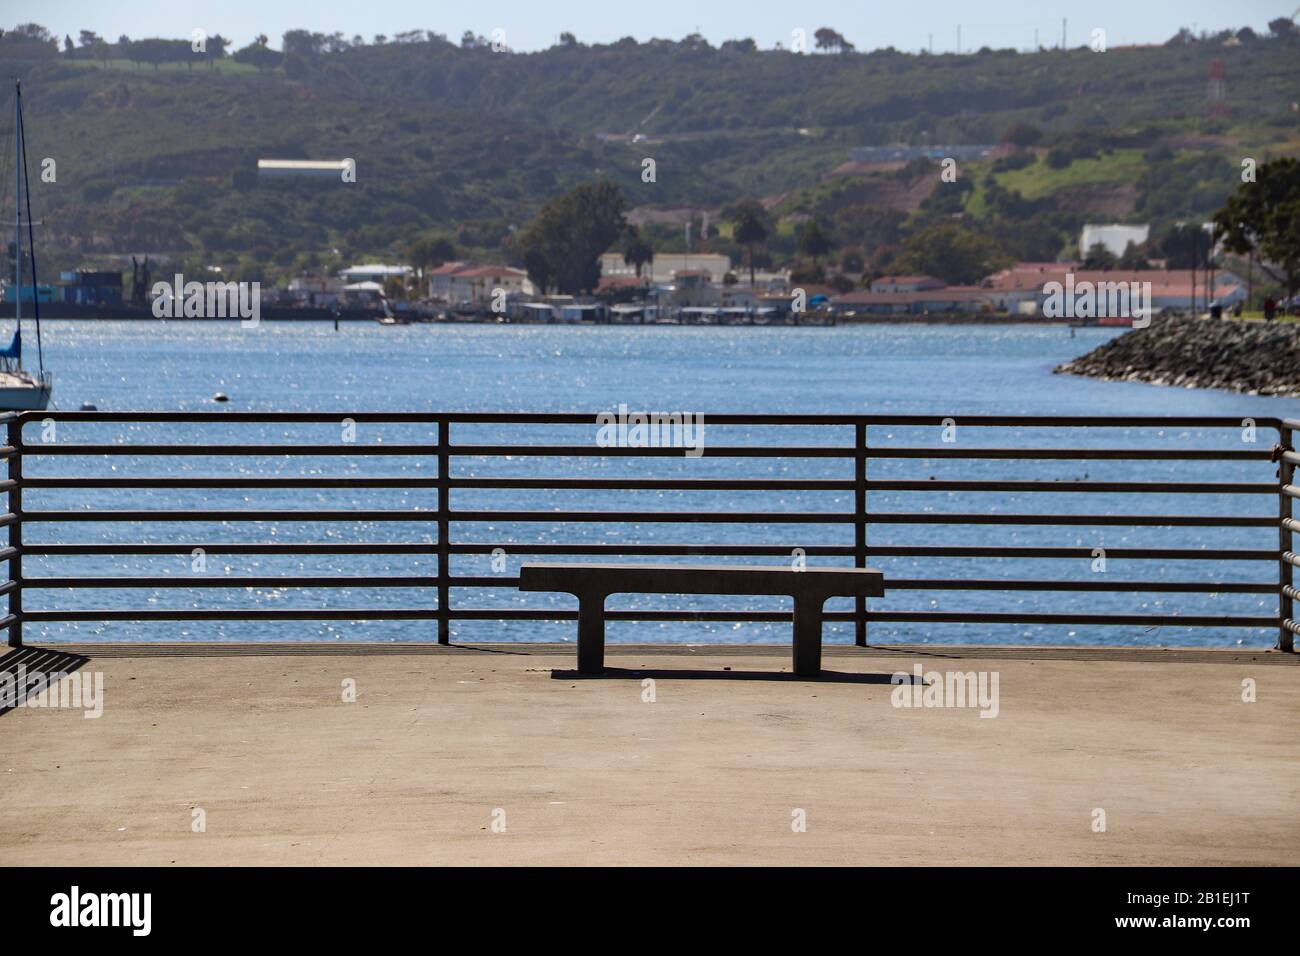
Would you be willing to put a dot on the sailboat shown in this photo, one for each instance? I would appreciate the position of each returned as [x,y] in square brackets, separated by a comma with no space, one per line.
[20,389]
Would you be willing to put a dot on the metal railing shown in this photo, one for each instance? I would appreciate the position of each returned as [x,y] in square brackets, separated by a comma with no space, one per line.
[454,475]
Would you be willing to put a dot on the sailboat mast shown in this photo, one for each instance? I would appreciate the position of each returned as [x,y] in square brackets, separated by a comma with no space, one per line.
[18,204]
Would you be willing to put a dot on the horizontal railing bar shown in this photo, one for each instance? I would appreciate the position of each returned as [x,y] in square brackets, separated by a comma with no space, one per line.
[1153,487]
[304,515]
[664,517]
[835,484]
[845,451]
[7,553]
[1290,591]
[1291,457]
[217,482]
[7,586]
[959,617]
[8,620]
[991,584]
[615,451]
[672,517]
[505,614]
[54,550]
[657,484]
[1291,524]
[666,484]
[209,416]
[229,451]
[1291,558]
[906,551]
[1071,454]
[1154,521]
[200,581]
[595,451]
[493,614]
[580,418]
[685,550]
[718,550]
[829,517]
[235,614]
[1291,491]
[1291,625]
[1189,554]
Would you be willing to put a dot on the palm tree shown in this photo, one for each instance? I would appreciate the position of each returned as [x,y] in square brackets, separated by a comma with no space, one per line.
[812,242]
[638,252]
[749,228]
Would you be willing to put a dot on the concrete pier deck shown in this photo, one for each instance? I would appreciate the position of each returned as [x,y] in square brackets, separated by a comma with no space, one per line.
[496,755]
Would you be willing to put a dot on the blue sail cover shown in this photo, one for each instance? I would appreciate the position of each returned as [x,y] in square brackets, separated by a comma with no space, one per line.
[15,350]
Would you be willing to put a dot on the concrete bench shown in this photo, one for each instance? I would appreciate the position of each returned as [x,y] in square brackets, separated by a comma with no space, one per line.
[809,587]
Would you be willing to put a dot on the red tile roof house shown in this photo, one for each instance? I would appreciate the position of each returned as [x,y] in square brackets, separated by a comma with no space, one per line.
[1170,288]
[466,282]
[957,298]
[906,284]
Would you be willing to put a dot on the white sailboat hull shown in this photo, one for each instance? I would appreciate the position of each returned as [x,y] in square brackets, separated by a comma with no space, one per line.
[20,395]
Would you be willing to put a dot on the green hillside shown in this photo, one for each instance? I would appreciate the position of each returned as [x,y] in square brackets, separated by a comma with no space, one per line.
[466,142]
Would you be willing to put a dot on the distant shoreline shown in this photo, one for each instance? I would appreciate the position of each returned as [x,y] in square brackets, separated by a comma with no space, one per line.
[819,322]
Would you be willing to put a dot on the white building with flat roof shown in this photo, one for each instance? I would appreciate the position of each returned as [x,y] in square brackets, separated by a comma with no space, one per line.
[304,168]
[375,272]
[1114,236]
[667,264]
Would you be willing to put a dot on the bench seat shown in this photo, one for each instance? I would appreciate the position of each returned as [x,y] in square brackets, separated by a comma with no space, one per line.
[591,584]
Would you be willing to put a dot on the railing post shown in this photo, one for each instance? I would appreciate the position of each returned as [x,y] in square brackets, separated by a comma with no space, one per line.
[860,527]
[16,531]
[444,546]
[1285,605]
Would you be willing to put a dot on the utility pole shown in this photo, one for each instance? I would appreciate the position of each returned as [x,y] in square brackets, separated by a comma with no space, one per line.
[1250,280]
[959,38]
[1063,41]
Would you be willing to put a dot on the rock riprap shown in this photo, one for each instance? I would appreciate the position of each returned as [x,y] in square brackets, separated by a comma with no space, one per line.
[1259,358]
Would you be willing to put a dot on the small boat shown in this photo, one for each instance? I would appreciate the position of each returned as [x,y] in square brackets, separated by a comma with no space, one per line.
[21,389]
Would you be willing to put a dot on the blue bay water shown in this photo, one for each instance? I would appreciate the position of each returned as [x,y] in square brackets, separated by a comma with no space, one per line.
[926,370]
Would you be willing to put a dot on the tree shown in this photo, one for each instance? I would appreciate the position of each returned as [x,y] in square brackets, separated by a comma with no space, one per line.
[430,251]
[951,252]
[1283,28]
[1133,259]
[1183,246]
[214,49]
[1099,257]
[1023,135]
[812,242]
[828,39]
[1263,218]
[258,54]
[302,43]
[563,243]
[34,32]
[749,229]
[1059,157]
[637,250]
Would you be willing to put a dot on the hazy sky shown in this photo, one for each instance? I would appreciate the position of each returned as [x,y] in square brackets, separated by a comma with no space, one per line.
[535,24]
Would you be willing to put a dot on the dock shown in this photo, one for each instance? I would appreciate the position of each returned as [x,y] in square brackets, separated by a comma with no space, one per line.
[500,754]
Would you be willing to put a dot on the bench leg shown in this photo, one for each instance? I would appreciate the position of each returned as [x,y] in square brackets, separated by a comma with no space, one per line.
[808,636]
[591,633]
